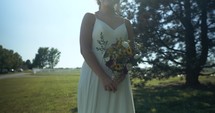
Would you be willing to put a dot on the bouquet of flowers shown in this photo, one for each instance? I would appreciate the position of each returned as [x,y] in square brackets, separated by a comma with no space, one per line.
[120,57]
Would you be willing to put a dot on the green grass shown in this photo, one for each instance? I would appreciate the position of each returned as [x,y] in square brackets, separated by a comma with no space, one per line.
[39,94]
[57,93]
[171,96]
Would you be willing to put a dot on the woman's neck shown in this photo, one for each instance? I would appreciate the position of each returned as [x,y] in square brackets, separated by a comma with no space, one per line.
[107,11]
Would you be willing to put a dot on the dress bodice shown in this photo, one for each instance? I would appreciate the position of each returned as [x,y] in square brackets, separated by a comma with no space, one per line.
[110,35]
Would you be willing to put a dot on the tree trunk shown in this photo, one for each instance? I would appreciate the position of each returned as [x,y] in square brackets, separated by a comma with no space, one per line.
[192,78]
[192,65]
[204,32]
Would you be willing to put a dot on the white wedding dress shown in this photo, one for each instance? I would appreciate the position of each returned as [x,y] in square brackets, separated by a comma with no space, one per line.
[92,97]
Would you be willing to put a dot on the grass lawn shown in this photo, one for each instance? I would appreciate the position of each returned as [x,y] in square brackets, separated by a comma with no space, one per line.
[39,94]
[170,96]
[57,93]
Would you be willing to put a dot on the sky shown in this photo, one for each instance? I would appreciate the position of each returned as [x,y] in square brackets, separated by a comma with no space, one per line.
[26,25]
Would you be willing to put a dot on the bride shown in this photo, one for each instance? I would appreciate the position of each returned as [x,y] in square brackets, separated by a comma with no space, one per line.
[97,92]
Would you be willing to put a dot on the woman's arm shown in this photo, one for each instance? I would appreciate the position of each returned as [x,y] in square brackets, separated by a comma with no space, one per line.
[86,51]
[130,32]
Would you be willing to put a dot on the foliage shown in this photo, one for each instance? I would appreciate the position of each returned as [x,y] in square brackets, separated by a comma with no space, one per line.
[53,57]
[9,59]
[28,64]
[178,36]
[46,57]
[41,58]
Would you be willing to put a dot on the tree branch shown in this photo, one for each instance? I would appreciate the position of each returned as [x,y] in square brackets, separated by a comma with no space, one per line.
[169,57]
[163,43]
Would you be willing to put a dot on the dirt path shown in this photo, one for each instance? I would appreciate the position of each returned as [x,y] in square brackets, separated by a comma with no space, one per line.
[13,75]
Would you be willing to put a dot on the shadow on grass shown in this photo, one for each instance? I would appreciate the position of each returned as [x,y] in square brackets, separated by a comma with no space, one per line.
[74,110]
[175,99]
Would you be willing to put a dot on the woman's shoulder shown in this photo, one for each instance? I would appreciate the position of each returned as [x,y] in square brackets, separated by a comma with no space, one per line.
[126,21]
[89,16]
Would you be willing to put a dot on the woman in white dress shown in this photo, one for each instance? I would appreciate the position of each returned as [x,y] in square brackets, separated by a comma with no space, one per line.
[97,92]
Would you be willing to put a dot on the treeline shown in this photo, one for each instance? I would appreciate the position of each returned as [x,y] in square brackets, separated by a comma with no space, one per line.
[11,61]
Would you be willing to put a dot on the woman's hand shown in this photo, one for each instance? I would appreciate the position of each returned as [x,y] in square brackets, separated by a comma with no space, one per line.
[109,84]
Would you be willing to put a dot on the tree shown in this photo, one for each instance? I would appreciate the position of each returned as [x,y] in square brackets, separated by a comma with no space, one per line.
[41,58]
[16,61]
[53,57]
[28,64]
[46,57]
[178,36]
[9,59]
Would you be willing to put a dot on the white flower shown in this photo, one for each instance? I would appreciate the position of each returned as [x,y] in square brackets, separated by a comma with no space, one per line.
[125,44]
[107,59]
[136,56]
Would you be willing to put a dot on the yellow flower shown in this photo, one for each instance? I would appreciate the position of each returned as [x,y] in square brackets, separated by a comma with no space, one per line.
[129,51]
[117,67]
